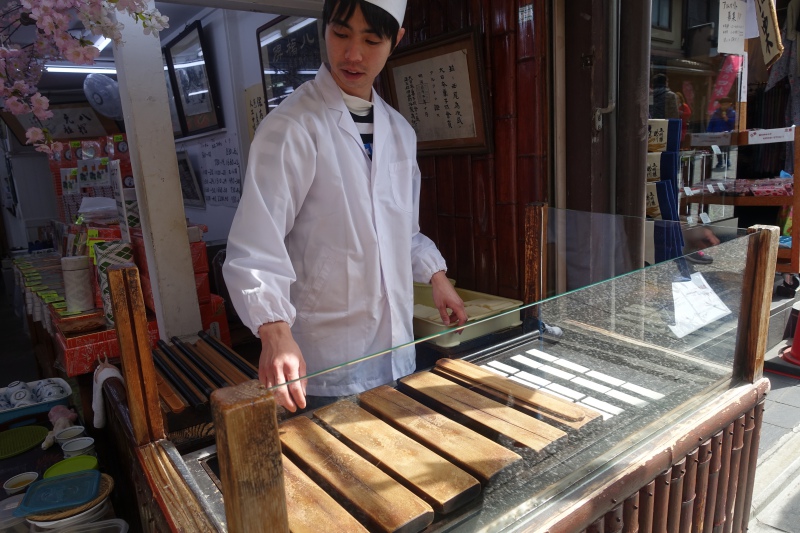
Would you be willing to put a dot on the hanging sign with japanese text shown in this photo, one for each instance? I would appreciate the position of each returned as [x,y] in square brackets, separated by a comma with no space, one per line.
[220,170]
[771,44]
[731,27]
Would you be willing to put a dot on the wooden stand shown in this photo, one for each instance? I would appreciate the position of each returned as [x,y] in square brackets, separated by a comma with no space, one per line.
[660,486]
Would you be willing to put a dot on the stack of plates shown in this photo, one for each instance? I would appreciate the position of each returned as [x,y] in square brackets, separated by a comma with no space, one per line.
[83,509]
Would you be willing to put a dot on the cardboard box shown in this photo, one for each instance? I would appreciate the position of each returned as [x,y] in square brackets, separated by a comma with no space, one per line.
[82,359]
[215,320]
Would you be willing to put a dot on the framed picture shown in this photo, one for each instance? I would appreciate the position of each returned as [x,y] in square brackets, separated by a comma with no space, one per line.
[193,81]
[191,188]
[69,122]
[439,88]
[177,130]
[291,51]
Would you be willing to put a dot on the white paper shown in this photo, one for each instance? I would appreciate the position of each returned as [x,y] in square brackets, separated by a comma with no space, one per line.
[750,21]
[711,139]
[771,135]
[696,305]
[653,166]
[731,27]
[704,218]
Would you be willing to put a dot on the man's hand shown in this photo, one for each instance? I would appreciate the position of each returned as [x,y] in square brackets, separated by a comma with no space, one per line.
[445,297]
[281,361]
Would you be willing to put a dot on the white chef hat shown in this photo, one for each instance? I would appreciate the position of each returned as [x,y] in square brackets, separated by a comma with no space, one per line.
[396,8]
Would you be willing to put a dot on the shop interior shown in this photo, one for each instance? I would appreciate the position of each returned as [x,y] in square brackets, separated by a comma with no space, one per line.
[618,305]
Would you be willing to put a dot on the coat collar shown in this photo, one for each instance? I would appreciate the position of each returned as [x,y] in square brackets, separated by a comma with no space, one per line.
[333,99]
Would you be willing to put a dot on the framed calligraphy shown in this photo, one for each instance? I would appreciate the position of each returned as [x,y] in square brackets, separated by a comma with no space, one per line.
[191,188]
[69,122]
[291,51]
[191,74]
[438,87]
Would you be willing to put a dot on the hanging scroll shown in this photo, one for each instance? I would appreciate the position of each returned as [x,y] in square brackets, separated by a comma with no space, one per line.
[438,88]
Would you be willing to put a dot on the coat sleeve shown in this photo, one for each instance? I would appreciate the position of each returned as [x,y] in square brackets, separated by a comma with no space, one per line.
[258,271]
[426,260]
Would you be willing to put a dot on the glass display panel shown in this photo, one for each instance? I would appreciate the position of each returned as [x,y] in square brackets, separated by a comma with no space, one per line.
[564,388]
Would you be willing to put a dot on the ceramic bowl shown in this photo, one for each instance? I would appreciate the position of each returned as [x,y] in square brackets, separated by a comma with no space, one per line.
[67,434]
[19,482]
[79,446]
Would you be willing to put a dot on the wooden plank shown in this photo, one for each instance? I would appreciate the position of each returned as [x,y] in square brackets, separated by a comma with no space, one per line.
[561,409]
[387,505]
[592,417]
[757,286]
[484,412]
[434,479]
[249,452]
[169,395]
[137,363]
[471,451]
[309,506]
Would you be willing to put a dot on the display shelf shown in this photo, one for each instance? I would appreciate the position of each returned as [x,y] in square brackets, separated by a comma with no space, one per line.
[788,259]
[630,391]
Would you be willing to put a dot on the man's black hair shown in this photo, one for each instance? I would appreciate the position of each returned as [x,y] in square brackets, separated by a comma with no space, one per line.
[384,24]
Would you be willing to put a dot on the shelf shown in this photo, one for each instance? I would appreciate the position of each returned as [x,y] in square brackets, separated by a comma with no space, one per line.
[721,199]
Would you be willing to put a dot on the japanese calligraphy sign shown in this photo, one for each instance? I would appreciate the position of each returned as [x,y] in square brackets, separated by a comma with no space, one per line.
[291,52]
[771,44]
[438,89]
[69,121]
[256,108]
[220,170]
[653,166]
[731,27]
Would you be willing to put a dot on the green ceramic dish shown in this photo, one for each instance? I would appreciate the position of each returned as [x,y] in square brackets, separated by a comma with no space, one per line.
[73,464]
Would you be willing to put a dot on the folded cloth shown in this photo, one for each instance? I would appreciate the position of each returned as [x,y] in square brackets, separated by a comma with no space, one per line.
[102,373]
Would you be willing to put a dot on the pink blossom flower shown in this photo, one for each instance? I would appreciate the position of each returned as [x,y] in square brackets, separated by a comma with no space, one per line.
[17,106]
[57,146]
[34,135]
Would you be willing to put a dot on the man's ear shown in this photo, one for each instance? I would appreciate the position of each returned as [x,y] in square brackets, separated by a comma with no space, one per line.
[400,33]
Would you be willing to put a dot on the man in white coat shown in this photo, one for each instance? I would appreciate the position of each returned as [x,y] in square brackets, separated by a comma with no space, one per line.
[325,245]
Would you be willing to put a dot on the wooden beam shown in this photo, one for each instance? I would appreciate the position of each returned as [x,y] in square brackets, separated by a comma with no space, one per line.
[137,362]
[757,285]
[249,452]
[535,256]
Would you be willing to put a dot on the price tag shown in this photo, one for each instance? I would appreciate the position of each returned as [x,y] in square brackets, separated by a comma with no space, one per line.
[687,191]
[715,149]
[705,218]
[690,221]
[721,187]
[710,188]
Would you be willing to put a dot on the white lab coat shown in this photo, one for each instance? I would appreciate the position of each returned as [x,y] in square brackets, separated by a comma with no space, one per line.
[328,241]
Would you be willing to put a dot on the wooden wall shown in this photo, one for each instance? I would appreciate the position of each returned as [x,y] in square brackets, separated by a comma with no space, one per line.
[472,206]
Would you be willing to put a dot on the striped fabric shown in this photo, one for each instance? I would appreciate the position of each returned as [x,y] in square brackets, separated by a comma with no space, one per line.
[366,127]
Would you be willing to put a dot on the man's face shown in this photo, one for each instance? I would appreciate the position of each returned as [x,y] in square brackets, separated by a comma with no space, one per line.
[356,54]
[725,105]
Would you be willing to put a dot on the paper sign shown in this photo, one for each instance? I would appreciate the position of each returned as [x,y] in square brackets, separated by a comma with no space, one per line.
[721,187]
[687,191]
[771,135]
[696,305]
[715,149]
[711,139]
[710,188]
[731,27]
[705,218]
[657,135]
[653,166]
[690,221]
[256,107]
[767,20]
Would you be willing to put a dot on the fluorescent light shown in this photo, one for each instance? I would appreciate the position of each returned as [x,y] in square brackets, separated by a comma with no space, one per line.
[102,42]
[190,64]
[80,70]
[274,36]
[204,91]
[299,25]
[307,72]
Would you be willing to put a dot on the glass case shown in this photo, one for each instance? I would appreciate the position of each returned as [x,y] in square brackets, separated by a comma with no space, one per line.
[485,436]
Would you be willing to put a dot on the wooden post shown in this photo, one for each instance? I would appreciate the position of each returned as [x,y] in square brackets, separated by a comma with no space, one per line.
[137,362]
[759,275]
[535,254]
[249,453]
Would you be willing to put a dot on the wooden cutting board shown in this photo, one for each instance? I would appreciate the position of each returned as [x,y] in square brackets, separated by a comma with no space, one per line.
[309,506]
[386,504]
[481,410]
[519,399]
[434,479]
[471,451]
[552,405]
